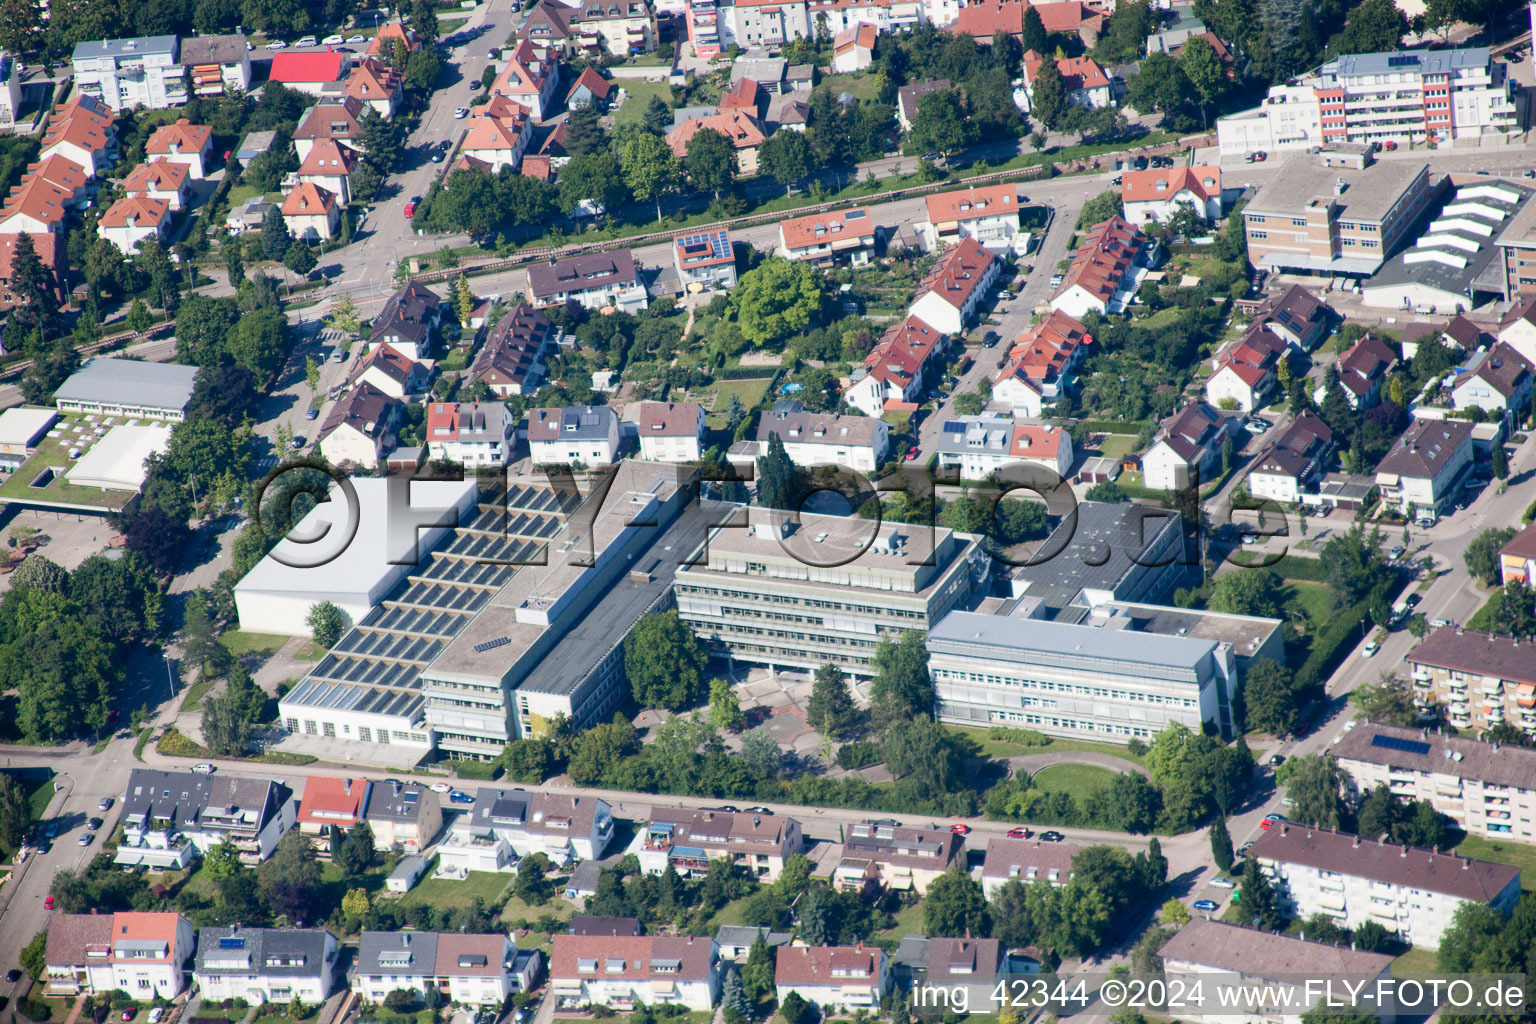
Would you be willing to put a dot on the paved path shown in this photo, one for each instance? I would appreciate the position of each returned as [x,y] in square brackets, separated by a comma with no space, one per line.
[1032,763]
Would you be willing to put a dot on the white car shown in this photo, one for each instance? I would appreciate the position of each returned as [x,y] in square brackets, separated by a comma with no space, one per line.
[357,39]
[336,40]
[277,44]
[156,1015]
[1370,649]
[461,113]
[1224,883]
[204,768]
[441,787]
[307,41]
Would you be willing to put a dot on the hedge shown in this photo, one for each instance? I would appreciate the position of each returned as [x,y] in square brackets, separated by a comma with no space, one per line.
[745,373]
[1326,645]
[34,1008]
[1112,426]
[479,771]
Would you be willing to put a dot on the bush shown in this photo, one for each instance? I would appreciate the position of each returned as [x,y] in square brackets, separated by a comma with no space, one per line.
[1024,737]
[479,771]
[859,755]
[34,1008]
[173,744]
[1325,646]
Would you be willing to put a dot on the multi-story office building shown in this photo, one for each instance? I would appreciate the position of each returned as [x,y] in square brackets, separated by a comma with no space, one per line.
[823,590]
[1411,96]
[1312,218]
[1410,892]
[127,73]
[1488,789]
[1078,681]
[1475,680]
[686,840]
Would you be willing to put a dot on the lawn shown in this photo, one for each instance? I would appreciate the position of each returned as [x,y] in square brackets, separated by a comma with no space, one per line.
[909,921]
[240,643]
[863,87]
[192,700]
[1116,446]
[1314,601]
[72,431]
[750,391]
[446,892]
[639,93]
[1012,748]
[1079,780]
[1502,852]
[1415,963]
[728,914]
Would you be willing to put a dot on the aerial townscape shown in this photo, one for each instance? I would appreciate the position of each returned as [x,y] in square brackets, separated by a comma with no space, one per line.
[765,511]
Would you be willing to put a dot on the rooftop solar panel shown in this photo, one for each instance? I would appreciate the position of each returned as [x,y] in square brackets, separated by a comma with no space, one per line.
[1398,743]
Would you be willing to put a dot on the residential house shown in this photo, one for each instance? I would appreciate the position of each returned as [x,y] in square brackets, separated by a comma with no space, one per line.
[743,95]
[910,97]
[498,134]
[37,206]
[1517,328]
[82,131]
[310,72]
[671,431]
[1105,271]
[590,89]
[338,120]
[982,20]
[1484,788]
[596,280]
[163,181]
[744,130]
[382,45]
[471,433]
[591,924]
[1027,861]
[895,857]
[764,25]
[1423,467]
[1187,448]
[128,73]
[853,49]
[1362,371]
[969,972]
[829,17]
[216,65]
[407,320]
[894,369]
[1496,380]
[1291,463]
[1086,83]
[530,77]
[980,446]
[1156,195]
[143,954]
[704,261]
[329,167]
[836,978]
[330,808]
[839,236]
[510,361]
[687,840]
[389,370]
[360,428]
[514,823]
[949,297]
[183,143]
[857,443]
[376,84]
[989,214]
[548,26]
[736,941]
[312,213]
[404,816]
[585,435]
[1413,893]
[1296,315]
[619,28]
[466,969]
[621,971]
[168,817]
[1232,965]
[1497,670]
[1042,364]
[1517,559]
[45,244]
[265,965]
[1247,371]
[133,219]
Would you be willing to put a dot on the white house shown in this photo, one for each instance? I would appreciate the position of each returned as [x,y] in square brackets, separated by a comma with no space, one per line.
[360,427]
[1517,328]
[390,371]
[853,49]
[1188,441]
[158,179]
[127,73]
[619,971]
[1105,271]
[312,213]
[183,143]
[1361,371]
[217,64]
[859,443]
[894,369]
[1156,195]
[1041,365]
[835,978]
[1246,371]
[1086,83]
[704,260]
[949,297]
[470,433]
[142,953]
[329,167]
[262,965]
[164,812]
[980,446]
[1494,379]
[838,236]
[586,435]
[1423,467]
[597,280]
[671,431]
[468,969]
[505,825]
[989,214]
[688,840]
[1284,469]
[133,219]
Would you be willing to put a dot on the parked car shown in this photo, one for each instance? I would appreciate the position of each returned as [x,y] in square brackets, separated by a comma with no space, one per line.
[1006,295]
[761,810]
[307,41]
[960,829]
[357,39]
[1273,816]
[990,339]
[1056,280]
[1115,180]
[1051,837]
[1224,883]
[333,40]
[48,902]
[94,824]
[311,414]
[128,1014]
[460,797]
[104,804]
[1205,904]
[277,44]
[85,839]
[1396,552]
[156,1015]
[1370,649]
[461,113]
[410,207]
[437,156]
[1276,760]
[1019,833]
[204,768]
[1438,623]
[441,787]
[13,975]
[1265,824]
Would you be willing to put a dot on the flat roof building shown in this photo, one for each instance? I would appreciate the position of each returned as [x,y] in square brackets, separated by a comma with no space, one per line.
[127,387]
[116,462]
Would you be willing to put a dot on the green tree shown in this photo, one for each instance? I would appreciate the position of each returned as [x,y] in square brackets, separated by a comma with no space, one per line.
[778,480]
[1370,937]
[534,886]
[342,317]
[786,158]
[1249,592]
[1313,782]
[1258,902]
[381,139]
[1388,702]
[34,956]
[275,236]
[39,572]
[757,976]
[711,161]
[1373,26]
[1500,462]
[940,125]
[1160,85]
[1107,491]
[1221,844]
[1048,102]
[226,726]
[299,259]
[312,373]
[15,815]
[1100,208]
[657,118]
[724,708]
[1009,910]
[648,166]
[1174,912]
[1205,72]
[735,1004]
[1482,554]
[777,298]
[901,687]
[138,319]
[595,178]
[354,852]
[831,710]
[291,878]
[954,905]
[1474,927]
[355,904]
[1033,36]
[665,663]
[326,624]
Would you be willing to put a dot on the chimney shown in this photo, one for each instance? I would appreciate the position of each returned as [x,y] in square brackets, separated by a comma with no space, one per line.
[1356,843]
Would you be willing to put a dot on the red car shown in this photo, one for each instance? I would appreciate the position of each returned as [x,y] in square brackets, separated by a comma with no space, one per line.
[1019,833]
[1265,823]
[960,830]
[48,902]
[410,209]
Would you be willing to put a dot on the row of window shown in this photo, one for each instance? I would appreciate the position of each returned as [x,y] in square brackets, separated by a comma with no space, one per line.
[1101,692]
[869,610]
[365,734]
[1109,728]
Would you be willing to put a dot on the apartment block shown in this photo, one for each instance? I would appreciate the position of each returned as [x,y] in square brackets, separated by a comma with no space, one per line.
[989,214]
[1424,467]
[1412,893]
[1026,861]
[1475,680]
[169,818]
[1312,218]
[1410,96]
[687,840]
[142,954]
[846,978]
[262,965]
[888,855]
[1487,789]
[823,590]
[128,73]
[620,971]
[858,443]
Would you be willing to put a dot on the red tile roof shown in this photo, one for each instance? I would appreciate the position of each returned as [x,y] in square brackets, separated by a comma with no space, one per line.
[308,200]
[307,68]
[1106,253]
[801,232]
[861,35]
[181,137]
[959,273]
[373,80]
[61,171]
[1365,364]
[1076,72]
[157,176]
[595,83]
[669,419]
[899,355]
[1044,351]
[43,241]
[984,19]
[664,958]
[146,212]
[490,133]
[1036,441]
[329,800]
[1160,185]
[387,36]
[332,121]
[743,129]
[329,158]
[973,204]
[741,96]
[828,965]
